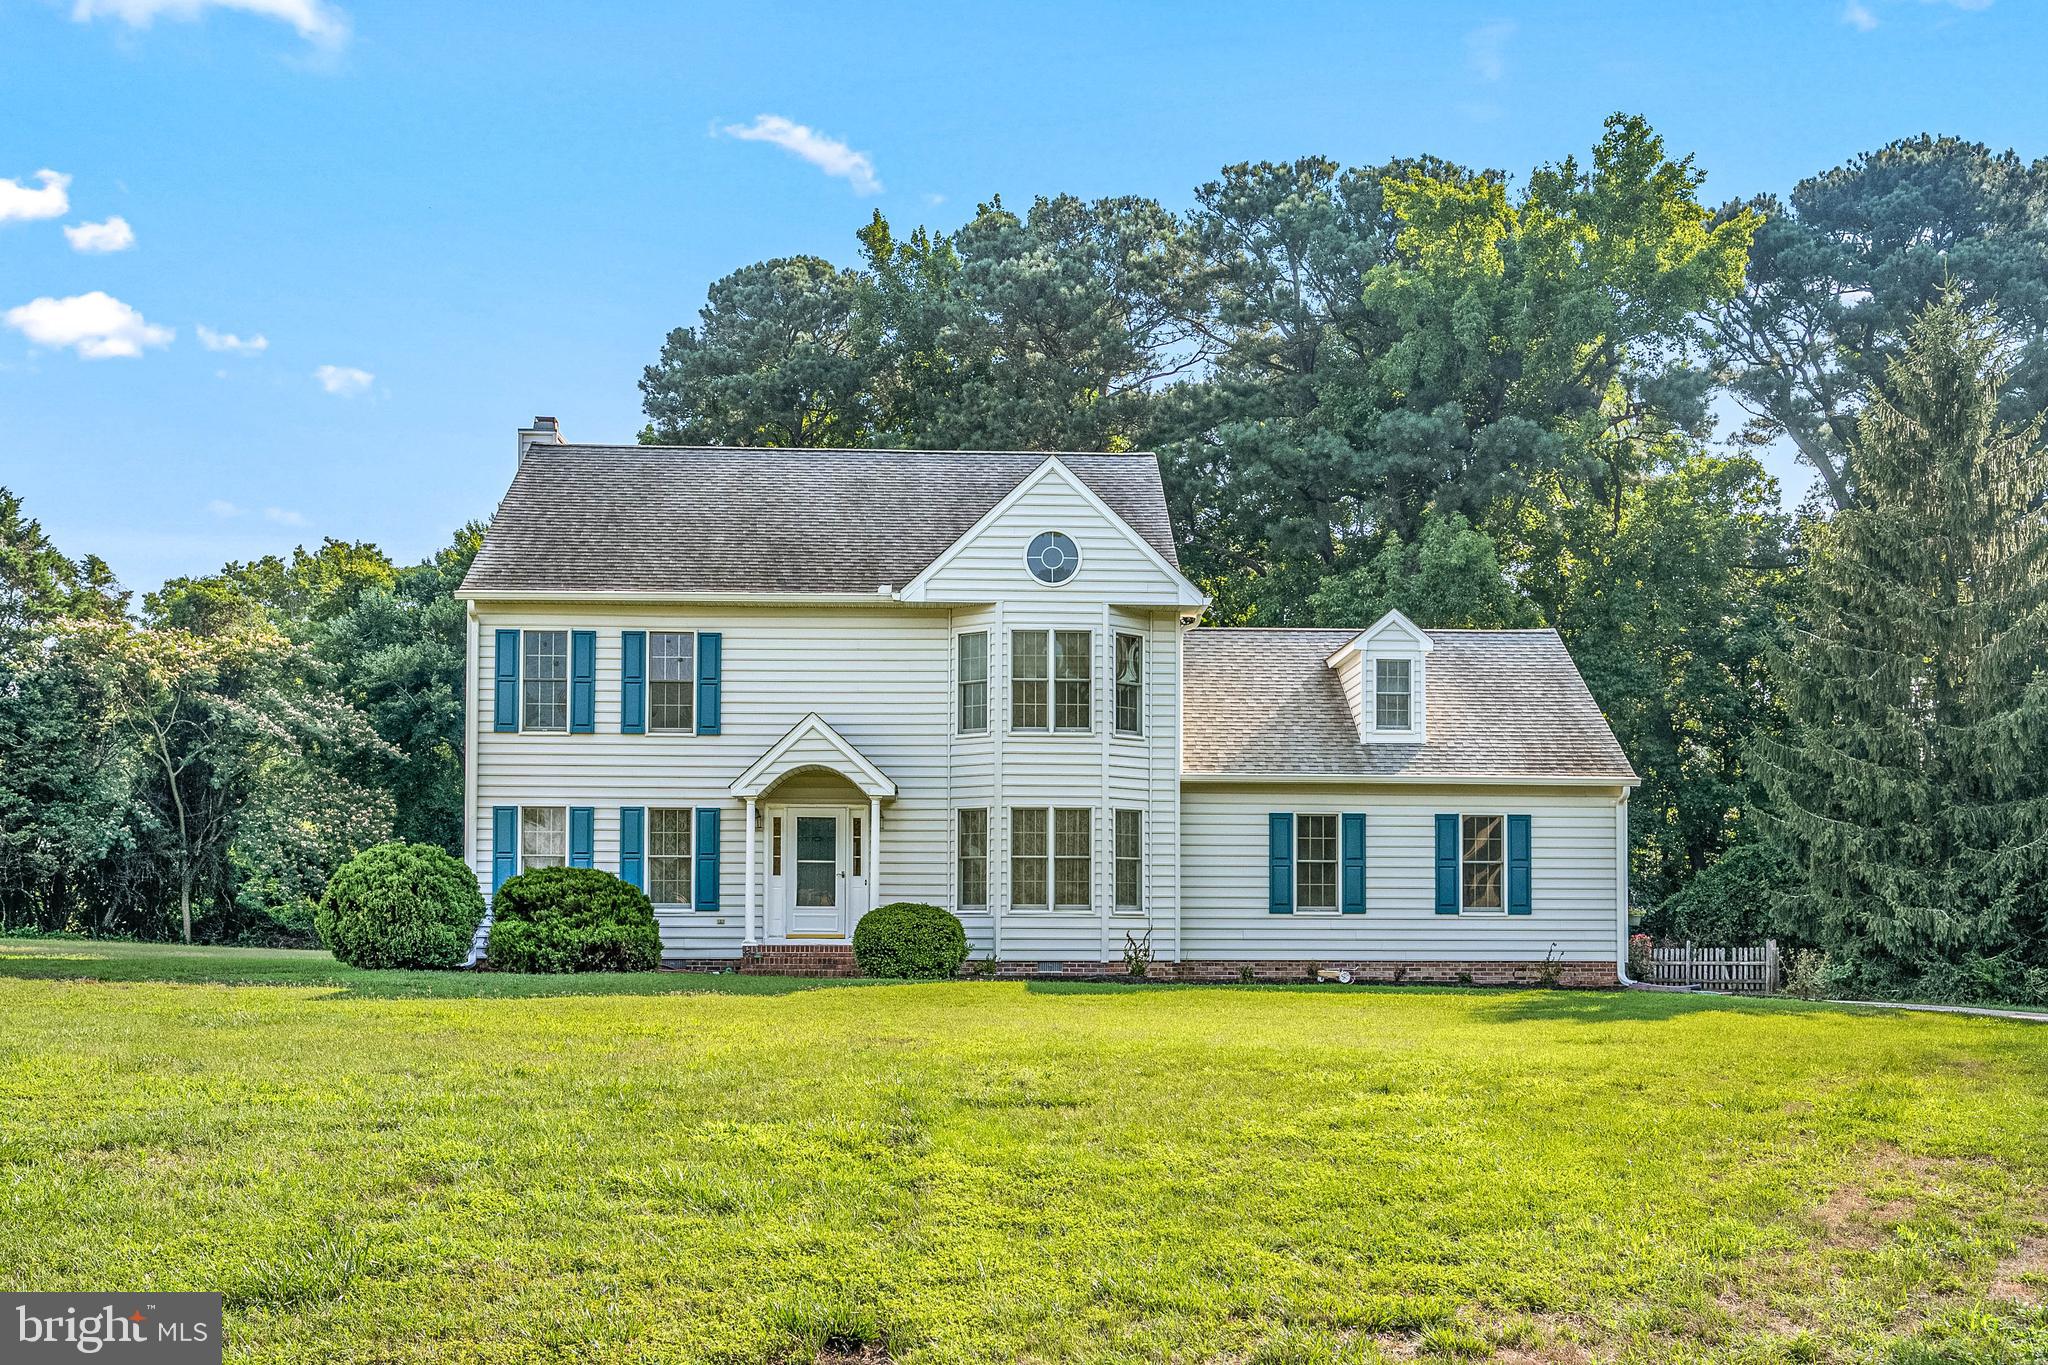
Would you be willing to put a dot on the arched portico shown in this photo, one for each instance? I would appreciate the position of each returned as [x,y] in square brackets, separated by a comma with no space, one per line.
[824,856]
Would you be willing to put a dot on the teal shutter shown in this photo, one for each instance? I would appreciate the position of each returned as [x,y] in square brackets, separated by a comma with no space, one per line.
[705,883]
[710,690]
[1518,864]
[582,682]
[1447,864]
[582,836]
[633,682]
[632,834]
[504,843]
[1354,864]
[507,695]
[1280,863]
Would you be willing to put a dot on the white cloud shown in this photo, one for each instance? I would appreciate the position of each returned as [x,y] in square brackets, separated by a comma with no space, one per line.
[1486,49]
[283,516]
[96,325]
[828,154]
[98,238]
[316,21]
[1858,16]
[346,381]
[228,341]
[221,507]
[20,204]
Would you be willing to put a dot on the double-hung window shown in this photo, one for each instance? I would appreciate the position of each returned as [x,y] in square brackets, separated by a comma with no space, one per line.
[1315,862]
[1052,680]
[1482,872]
[1130,860]
[973,859]
[1130,684]
[972,653]
[1392,695]
[671,681]
[668,857]
[543,837]
[1052,858]
[544,673]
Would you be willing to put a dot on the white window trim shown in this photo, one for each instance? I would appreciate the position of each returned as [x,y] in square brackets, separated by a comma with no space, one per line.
[1052,845]
[1115,638]
[1337,865]
[1114,907]
[689,855]
[1484,911]
[1080,560]
[988,688]
[1052,683]
[988,848]
[1368,696]
[520,838]
[526,679]
[695,681]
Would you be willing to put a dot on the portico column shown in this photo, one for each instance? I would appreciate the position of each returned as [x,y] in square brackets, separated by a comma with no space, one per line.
[750,873]
[875,852]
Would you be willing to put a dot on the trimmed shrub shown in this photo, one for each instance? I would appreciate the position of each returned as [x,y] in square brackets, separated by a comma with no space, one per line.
[400,905]
[572,919]
[909,939]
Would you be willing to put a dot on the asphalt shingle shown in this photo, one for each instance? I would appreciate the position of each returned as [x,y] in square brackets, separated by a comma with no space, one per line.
[1500,703]
[585,518]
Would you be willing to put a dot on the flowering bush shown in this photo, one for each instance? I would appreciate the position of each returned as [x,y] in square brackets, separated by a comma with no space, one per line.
[1639,946]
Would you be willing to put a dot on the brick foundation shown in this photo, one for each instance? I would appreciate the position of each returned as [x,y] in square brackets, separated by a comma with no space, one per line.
[836,960]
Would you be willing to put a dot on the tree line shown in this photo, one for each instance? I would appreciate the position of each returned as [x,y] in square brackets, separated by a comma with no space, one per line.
[1488,401]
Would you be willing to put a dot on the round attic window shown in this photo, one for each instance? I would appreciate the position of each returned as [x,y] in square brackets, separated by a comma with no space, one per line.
[1053,557]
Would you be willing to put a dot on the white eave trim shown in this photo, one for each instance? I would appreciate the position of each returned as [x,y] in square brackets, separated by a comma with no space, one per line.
[1404,780]
[750,599]
[763,774]
[1420,643]
[1189,595]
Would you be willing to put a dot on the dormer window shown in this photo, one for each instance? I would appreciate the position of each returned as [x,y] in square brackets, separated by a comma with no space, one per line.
[1393,681]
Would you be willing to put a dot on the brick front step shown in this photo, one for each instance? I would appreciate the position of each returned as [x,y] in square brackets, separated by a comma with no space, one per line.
[798,959]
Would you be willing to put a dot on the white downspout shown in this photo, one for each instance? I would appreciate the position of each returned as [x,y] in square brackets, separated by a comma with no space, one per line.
[1621,888]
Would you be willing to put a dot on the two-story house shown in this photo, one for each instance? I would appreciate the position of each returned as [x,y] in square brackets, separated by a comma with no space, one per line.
[777,688]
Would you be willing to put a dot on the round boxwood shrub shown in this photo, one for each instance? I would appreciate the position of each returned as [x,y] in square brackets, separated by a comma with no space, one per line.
[400,905]
[909,939]
[572,919]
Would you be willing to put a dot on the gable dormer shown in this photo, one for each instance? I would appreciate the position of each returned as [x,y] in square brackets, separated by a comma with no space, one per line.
[1384,672]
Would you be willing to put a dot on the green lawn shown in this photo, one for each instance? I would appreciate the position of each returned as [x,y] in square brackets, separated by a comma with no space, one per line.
[412,1166]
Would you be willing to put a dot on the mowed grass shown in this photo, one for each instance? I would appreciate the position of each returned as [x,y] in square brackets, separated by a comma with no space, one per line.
[417,1166]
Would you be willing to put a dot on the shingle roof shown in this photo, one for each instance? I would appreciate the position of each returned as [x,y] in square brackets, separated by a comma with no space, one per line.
[1501,704]
[585,518]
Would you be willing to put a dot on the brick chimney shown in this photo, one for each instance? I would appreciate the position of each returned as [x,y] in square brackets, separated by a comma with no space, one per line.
[543,432]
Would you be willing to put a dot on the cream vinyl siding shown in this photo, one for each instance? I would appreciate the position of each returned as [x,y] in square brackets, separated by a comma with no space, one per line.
[1115,564]
[1573,872]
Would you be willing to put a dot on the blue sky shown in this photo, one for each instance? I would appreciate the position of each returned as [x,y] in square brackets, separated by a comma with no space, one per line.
[443,218]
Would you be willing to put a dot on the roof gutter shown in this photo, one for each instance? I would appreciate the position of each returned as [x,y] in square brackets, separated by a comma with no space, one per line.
[1408,780]
[752,599]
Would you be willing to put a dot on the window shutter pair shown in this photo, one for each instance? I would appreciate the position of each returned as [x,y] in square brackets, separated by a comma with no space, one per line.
[1280,863]
[582,683]
[633,681]
[1518,865]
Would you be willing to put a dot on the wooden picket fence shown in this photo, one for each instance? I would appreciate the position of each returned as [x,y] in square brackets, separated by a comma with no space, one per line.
[1754,971]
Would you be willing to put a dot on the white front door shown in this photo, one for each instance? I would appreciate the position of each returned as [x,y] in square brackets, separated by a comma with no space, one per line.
[817,873]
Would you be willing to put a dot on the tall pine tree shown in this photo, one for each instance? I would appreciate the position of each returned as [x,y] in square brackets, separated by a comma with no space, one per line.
[1912,784]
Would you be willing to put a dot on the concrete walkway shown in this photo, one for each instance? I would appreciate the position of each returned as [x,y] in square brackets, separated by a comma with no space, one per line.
[1981,1011]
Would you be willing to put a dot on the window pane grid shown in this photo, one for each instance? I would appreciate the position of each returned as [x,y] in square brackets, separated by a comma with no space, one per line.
[1073,869]
[543,837]
[1483,856]
[671,681]
[1073,666]
[1029,848]
[1130,672]
[974,858]
[1315,862]
[546,680]
[1391,694]
[1130,866]
[668,857]
[1028,680]
[973,653]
